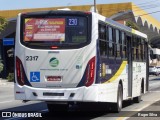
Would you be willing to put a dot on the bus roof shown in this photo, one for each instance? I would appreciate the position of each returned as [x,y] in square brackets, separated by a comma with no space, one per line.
[123,27]
[107,20]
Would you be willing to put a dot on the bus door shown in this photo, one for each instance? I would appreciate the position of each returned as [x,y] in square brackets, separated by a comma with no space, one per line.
[130,65]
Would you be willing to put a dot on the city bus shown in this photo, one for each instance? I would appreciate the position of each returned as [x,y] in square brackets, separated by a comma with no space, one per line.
[72,57]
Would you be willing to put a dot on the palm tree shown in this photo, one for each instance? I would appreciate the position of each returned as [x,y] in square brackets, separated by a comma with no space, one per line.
[132,25]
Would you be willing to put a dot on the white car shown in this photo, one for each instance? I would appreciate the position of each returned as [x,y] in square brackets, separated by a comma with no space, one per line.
[154,70]
[158,69]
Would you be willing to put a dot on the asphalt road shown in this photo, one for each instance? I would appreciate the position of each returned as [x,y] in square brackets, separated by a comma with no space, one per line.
[150,102]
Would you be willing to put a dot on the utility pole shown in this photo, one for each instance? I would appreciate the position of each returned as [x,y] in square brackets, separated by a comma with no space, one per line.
[95,6]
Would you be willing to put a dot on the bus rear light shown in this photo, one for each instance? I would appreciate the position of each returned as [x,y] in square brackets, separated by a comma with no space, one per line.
[20,92]
[90,72]
[54,47]
[19,71]
[87,12]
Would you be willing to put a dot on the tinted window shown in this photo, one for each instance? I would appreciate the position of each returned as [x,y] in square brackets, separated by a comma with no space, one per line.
[111,42]
[102,39]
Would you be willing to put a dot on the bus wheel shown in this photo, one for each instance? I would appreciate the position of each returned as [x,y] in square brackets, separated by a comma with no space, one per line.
[118,106]
[57,107]
[138,98]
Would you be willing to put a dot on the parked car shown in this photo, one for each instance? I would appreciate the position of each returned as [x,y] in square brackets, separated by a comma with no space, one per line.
[158,69]
[154,70]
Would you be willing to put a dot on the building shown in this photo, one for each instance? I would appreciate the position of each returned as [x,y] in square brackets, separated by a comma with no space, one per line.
[120,12]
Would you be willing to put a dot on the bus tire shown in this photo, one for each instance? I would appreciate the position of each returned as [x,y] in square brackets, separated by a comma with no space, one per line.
[57,107]
[118,106]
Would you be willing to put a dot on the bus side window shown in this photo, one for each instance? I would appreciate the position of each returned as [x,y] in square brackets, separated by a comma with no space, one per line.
[142,50]
[111,42]
[107,41]
[124,48]
[102,31]
[120,42]
[132,43]
[134,48]
[117,43]
[102,39]
[145,49]
[137,48]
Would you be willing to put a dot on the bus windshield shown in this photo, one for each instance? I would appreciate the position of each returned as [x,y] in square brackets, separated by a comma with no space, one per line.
[61,31]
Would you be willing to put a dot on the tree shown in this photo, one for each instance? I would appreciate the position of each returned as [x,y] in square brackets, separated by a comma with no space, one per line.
[132,25]
[3,23]
[1,66]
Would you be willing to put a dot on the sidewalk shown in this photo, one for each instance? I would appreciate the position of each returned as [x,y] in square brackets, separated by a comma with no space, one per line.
[5,82]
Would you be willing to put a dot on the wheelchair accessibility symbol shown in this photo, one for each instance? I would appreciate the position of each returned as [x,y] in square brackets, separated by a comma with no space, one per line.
[34,76]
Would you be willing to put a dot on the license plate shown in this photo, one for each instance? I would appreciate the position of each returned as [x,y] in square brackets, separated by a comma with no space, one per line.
[54,78]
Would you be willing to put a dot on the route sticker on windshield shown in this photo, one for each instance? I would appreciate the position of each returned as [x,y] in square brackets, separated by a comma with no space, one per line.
[35,76]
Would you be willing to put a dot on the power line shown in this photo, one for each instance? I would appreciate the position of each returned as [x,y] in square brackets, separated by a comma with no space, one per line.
[141,15]
[149,5]
[134,6]
[148,2]
[145,5]
[147,13]
[140,9]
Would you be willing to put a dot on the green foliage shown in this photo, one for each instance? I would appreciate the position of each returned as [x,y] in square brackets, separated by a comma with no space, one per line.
[1,66]
[3,23]
[10,77]
[132,25]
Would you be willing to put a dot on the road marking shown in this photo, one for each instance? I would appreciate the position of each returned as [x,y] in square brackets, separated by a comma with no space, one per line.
[16,118]
[154,91]
[4,96]
[136,110]
[45,110]
[6,101]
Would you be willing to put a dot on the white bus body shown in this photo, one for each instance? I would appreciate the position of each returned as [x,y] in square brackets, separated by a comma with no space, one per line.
[75,73]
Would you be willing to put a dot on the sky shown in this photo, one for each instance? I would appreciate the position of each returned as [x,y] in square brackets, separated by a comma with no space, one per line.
[151,6]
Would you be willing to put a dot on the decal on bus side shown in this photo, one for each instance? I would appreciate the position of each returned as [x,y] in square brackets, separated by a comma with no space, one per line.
[54,62]
[118,73]
[35,76]
[31,58]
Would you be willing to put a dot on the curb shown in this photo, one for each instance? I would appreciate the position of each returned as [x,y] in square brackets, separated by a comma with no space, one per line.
[4,82]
